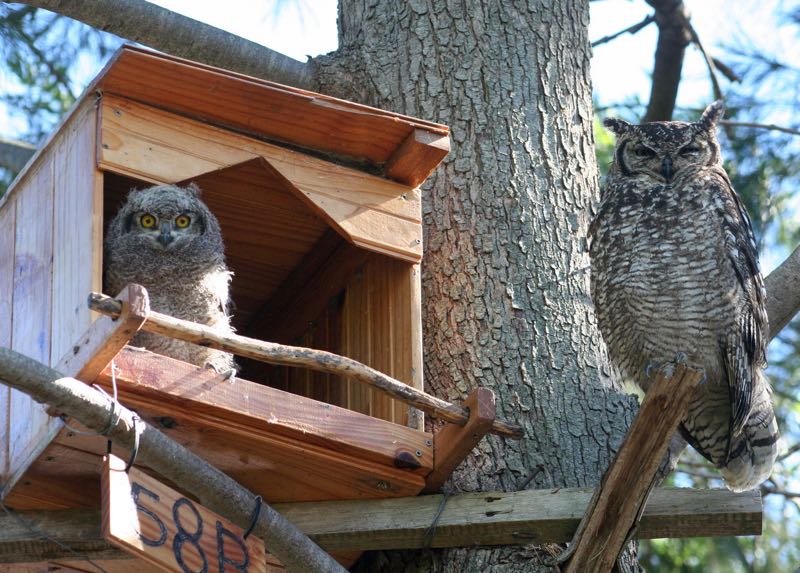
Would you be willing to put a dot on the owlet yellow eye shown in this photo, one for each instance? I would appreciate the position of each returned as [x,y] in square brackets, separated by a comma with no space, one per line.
[182,221]
[147,221]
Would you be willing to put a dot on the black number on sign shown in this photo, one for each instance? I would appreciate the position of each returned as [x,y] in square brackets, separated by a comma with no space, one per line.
[224,560]
[184,536]
[136,489]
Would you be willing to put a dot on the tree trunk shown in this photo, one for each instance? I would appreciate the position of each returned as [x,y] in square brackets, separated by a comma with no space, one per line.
[505,273]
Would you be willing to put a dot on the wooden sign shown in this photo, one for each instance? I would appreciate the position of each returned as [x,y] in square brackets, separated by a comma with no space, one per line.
[158,524]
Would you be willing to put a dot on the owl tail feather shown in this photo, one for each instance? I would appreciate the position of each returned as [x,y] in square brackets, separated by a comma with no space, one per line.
[753,451]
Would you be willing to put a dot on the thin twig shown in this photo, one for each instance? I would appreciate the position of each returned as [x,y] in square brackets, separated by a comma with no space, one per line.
[631,30]
[770,126]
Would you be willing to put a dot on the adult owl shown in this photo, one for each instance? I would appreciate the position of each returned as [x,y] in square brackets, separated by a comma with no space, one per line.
[167,240]
[675,270]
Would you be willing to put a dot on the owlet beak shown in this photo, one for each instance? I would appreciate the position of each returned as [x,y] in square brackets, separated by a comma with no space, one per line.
[165,236]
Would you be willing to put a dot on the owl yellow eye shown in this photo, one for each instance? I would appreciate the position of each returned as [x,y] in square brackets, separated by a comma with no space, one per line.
[147,221]
[182,221]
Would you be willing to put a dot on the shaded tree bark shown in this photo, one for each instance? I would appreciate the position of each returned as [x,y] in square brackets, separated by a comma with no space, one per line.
[505,274]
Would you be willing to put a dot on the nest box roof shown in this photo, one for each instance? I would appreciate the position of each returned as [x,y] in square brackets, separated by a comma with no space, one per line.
[405,149]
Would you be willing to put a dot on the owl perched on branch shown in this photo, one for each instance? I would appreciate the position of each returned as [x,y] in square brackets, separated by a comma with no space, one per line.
[675,270]
[166,239]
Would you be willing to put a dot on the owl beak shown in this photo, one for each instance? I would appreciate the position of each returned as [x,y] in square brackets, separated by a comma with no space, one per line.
[165,236]
[666,168]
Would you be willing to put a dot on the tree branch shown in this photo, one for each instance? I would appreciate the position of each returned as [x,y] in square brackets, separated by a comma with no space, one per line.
[629,30]
[783,293]
[770,126]
[213,488]
[159,28]
[673,37]
[15,154]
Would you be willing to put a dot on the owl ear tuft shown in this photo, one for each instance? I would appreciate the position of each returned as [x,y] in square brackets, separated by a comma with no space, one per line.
[618,126]
[194,189]
[712,115]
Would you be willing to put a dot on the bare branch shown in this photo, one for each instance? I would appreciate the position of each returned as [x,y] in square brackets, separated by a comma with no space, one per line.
[157,27]
[630,30]
[712,67]
[770,126]
[726,70]
[15,154]
[783,293]
[158,452]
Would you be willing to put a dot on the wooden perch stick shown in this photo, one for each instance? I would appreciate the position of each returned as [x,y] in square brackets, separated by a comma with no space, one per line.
[213,488]
[619,499]
[318,360]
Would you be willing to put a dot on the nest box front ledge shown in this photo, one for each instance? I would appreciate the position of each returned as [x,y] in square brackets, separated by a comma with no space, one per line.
[282,446]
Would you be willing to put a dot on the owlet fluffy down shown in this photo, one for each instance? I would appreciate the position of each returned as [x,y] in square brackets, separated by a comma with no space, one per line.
[167,240]
[675,270]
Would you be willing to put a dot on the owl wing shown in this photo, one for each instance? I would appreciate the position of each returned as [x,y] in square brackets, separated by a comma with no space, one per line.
[744,350]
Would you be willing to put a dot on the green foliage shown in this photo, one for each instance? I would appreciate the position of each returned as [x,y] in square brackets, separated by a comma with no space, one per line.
[45,62]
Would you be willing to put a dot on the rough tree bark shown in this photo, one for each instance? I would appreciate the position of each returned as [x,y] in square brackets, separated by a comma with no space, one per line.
[505,281]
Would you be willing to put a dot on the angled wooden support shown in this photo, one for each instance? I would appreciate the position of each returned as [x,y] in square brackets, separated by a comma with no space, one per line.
[106,337]
[454,443]
[619,500]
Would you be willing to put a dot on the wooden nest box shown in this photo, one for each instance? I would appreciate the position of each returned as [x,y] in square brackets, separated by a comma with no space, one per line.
[319,206]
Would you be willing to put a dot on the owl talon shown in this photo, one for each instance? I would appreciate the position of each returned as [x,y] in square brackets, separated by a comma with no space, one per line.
[680,358]
[228,374]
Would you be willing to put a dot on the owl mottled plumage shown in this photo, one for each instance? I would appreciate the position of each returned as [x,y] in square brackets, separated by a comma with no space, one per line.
[166,239]
[675,269]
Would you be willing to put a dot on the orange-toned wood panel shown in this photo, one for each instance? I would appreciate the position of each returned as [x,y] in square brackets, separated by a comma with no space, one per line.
[28,422]
[267,230]
[77,223]
[375,321]
[153,145]
[258,411]
[7,234]
[252,105]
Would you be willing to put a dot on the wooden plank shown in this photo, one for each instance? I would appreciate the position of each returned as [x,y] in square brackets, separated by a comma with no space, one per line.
[452,444]
[156,523]
[355,338]
[7,235]
[28,422]
[501,518]
[417,157]
[493,518]
[622,494]
[105,338]
[380,317]
[153,145]
[412,339]
[302,118]
[122,564]
[75,226]
[261,412]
